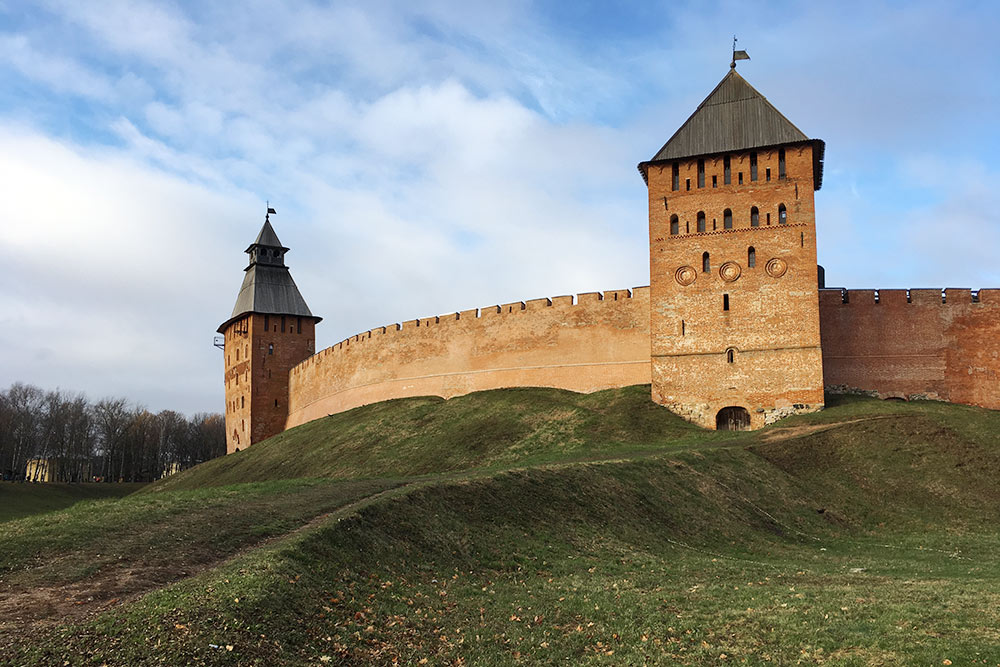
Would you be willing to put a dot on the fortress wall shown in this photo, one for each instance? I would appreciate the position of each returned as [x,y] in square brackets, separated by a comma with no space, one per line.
[598,342]
[913,343]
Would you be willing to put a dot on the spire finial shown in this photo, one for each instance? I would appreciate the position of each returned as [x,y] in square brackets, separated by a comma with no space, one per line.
[737,55]
[267,216]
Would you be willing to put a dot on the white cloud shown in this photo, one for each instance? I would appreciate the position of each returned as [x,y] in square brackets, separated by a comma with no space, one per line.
[62,74]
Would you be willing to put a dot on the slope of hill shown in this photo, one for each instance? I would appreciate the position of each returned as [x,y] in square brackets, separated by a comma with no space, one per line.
[491,429]
[861,535]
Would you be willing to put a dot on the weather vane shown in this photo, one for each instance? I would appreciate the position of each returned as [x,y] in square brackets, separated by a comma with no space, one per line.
[737,55]
[267,216]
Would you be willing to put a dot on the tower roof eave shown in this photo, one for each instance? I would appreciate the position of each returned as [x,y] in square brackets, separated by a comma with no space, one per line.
[268,290]
[819,152]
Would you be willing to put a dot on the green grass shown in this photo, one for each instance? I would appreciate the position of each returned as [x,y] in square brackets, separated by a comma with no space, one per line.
[869,539]
[489,430]
[19,499]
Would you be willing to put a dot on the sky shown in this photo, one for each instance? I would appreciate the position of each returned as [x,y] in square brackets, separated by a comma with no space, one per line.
[438,156]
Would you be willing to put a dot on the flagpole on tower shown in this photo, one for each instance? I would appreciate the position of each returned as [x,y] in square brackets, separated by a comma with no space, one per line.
[737,55]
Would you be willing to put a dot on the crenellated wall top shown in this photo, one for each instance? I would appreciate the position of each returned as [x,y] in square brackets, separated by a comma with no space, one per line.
[564,303]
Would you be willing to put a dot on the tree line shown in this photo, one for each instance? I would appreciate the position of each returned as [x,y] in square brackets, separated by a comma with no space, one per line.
[75,440]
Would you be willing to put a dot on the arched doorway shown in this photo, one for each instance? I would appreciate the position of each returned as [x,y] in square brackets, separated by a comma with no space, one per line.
[733,418]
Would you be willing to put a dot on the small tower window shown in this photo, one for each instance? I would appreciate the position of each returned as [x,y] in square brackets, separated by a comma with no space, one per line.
[267,323]
[767,174]
[754,217]
[727,174]
[740,177]
[282,324]
[298,325]
[701,173]
[706,266]
[767,217]
[753,166]
[687,183]
[701,221]
[751,257]
[727,219]
[715,181]
[675,180]
[243,401]
[730,355]
[725,302]
[782,214]
[674,225]
[270,348]
[683,328]
[781,163]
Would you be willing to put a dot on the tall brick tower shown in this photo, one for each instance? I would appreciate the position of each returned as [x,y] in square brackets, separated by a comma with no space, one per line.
[734,313]
[270,331]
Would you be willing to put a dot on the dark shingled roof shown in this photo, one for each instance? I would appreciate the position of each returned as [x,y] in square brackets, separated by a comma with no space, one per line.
[268,287]
[267,237]
[734,117]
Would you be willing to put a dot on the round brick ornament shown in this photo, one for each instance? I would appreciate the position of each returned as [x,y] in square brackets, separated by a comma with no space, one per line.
[730,271]
[685,275]
[776,267]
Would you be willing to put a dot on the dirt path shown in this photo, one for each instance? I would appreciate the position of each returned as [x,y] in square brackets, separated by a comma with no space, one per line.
[25,610]
[789,432]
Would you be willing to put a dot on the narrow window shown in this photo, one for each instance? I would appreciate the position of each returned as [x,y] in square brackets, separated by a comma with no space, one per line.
[727,219]
[754,217]
[298,325]
[237,354]
[706,266]
[701,173]
[781,163]
[782,214]
[768,218]
[727,174]
[687,184]
[767,174]
[243,401]
[730,355]
[674,226]
[725,302]
[740,179]
[275,402]
[282,324]
[675,182]
[270,348]
[687,227]
[715,181]
[802,239]
[701,221]
[753,166]
[751,257]
[683,328]
[267,323]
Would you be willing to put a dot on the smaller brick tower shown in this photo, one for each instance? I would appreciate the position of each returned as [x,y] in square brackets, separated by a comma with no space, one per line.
[270,331]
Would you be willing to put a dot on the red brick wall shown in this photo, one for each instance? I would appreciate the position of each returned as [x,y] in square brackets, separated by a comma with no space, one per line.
[927,347]
[599,342]
[772,324]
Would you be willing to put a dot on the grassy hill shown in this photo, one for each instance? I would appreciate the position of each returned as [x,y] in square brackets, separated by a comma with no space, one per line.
[19,499]
[536,527]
